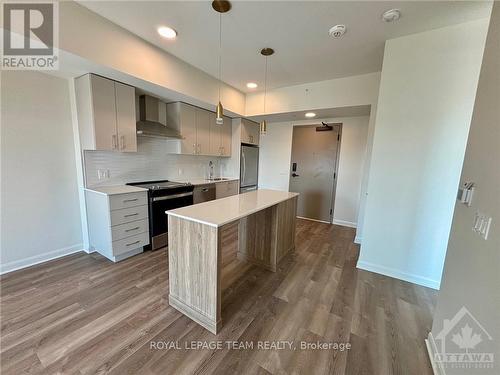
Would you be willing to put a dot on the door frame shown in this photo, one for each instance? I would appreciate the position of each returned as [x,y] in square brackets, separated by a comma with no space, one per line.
[339,126]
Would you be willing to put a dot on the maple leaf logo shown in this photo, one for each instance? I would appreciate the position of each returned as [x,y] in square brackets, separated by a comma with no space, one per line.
[466,340]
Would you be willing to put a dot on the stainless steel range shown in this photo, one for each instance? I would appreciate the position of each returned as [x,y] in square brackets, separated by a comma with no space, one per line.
[163,196]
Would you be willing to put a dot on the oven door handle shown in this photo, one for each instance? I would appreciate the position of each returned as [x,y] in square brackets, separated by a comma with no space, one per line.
[166,197]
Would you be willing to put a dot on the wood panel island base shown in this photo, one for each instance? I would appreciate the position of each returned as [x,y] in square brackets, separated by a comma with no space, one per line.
[258,226]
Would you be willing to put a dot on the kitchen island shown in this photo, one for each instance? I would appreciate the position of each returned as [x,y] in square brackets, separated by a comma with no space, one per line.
[258,226]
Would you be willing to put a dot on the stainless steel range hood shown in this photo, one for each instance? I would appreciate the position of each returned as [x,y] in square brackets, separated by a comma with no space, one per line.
[149,124]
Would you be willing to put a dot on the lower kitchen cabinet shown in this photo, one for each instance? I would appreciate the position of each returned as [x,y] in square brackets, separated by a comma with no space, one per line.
[226,189]
[118,224]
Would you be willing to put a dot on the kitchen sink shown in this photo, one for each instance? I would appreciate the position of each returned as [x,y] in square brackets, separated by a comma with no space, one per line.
[218,179]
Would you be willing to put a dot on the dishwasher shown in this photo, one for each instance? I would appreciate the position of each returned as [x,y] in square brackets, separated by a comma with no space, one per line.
[203,193]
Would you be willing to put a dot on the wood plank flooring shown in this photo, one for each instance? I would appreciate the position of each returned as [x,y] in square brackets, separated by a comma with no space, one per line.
[82,314]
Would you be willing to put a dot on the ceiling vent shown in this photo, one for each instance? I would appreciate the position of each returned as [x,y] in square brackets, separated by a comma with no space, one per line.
[337,31]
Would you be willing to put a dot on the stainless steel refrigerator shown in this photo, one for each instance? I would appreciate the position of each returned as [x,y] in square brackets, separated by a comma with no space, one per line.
[249,168]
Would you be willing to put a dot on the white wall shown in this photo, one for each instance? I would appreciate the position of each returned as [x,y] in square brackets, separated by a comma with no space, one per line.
[425,102]
[471,272]
[40,214]
[335,93]
[275,154]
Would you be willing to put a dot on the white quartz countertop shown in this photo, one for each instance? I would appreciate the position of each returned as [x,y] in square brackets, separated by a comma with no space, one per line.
[118,189]
[124,189]
[222,211]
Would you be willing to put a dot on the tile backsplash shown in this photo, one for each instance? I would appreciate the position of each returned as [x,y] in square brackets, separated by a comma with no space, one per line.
[152,161]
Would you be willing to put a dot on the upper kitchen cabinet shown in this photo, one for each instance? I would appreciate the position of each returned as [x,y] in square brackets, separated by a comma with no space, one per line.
[220,136]
[250,132]
[106,114]
[202,131]
[226,134]
[182,117]
[200,134]
[125,117]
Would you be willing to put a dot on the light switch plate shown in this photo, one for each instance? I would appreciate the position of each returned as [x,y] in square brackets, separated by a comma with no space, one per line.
[482,224]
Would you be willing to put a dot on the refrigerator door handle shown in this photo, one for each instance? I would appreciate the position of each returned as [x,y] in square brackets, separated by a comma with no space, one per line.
[244,165]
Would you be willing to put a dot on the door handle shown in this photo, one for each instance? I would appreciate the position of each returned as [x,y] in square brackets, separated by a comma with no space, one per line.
[295,174]
[132,243]
[130,200]
[244,165]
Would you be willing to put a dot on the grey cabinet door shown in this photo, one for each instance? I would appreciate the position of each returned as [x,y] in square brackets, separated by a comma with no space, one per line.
[125,117]
[104,113]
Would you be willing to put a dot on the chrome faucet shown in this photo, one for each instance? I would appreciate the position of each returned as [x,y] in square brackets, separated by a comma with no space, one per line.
[211,170]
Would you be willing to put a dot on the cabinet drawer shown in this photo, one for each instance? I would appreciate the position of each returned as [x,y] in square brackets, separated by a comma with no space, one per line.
[119,201]
[130,243]
[121,231]
[126,215]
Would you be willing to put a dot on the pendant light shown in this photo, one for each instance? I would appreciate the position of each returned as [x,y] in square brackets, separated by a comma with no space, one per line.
[220,6]
[266,52]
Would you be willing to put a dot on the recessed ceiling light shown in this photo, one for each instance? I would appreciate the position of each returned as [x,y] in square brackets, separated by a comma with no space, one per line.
[391,15]
[167,32]
[251,85]
[310,114]
[337,31]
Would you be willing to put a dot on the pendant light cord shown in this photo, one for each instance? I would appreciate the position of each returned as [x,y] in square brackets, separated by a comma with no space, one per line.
[265,87]
[220,52]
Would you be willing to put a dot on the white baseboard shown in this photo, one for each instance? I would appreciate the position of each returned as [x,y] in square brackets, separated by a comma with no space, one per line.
[344,223]
[397,274]
[358,240]
[31,261]
[432,350]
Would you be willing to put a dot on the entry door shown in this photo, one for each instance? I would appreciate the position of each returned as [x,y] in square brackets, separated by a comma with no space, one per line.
[313,170]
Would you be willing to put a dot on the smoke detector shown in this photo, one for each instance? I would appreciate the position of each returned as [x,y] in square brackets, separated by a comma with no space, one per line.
[391,15]
[337,31]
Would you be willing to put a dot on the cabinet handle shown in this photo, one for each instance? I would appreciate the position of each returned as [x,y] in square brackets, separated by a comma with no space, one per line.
[130,200]
[132,243]
[198,148]
[129,215]
[122,142]
[113,141]
[194,148]
[131,229]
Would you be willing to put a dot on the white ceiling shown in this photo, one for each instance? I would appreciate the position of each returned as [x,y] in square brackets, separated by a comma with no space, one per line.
[297,30]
